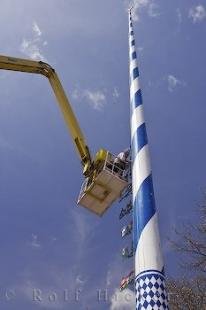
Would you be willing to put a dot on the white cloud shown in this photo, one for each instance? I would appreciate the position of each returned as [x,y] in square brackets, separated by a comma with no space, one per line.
[140,49]
[80,281]
[109,278]
[153,10]
[82,227]
[96,98]
[179,15]
[149,6]
[115,93]
[76,94]
[198,13]
[36,29]
[34,243]
[173,82]
[33,47]
[124,300]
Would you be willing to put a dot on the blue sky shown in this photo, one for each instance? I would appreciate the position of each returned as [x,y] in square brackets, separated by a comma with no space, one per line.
[47,242]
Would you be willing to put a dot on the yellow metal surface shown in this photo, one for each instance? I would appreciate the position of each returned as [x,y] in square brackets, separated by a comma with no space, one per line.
[105,186]
[30,66]
[101,155]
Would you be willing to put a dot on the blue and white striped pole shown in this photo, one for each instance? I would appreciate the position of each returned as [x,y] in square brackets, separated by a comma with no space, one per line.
[149,266]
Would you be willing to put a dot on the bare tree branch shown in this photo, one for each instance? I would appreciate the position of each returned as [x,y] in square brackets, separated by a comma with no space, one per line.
[192,240]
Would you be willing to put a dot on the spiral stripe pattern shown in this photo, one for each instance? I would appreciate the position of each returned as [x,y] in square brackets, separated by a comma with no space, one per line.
[149,268]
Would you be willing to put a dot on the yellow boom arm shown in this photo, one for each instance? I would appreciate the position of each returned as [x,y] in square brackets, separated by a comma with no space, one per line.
[30,66]
[105,181]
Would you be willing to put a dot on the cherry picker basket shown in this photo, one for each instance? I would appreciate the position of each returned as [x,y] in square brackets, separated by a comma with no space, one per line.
[97,195]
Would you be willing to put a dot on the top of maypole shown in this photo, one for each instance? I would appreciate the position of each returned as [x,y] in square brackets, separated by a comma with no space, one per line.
[130,10]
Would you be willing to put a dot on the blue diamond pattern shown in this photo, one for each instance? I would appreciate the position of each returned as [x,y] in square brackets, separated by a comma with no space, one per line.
[150,292]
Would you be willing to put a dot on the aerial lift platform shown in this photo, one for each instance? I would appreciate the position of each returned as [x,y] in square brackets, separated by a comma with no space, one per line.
[104,179]
[106,186]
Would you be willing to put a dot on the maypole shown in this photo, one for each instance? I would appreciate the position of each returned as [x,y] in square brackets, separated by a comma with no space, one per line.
[149,266]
